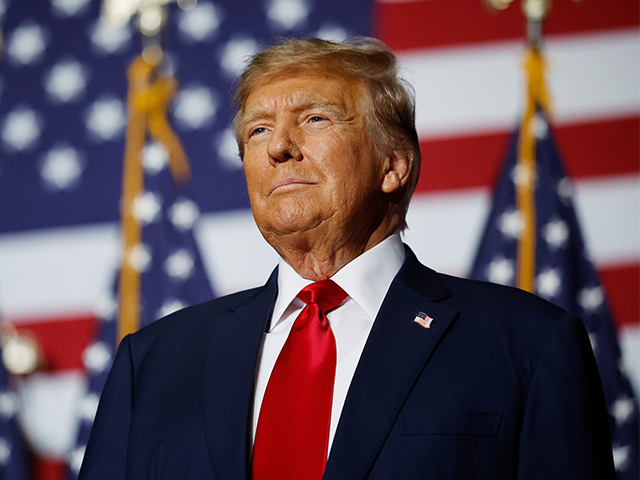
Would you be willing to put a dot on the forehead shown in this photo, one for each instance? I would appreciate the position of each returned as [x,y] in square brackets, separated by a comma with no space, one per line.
[300,86]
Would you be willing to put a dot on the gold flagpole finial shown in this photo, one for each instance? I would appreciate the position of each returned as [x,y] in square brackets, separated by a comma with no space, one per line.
[535,11]
[151,17]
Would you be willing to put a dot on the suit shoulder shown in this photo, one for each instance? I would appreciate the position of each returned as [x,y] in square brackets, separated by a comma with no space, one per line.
[192,320]
[495,296]
[496,315]
[509,311]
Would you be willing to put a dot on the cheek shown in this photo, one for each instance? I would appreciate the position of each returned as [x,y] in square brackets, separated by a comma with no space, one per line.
[351,165]
[254,174]
[334,152]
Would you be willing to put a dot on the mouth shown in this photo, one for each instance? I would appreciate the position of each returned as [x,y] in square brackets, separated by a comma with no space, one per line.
[287,183]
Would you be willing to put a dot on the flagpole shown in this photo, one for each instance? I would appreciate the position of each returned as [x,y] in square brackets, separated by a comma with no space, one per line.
[536,98]
[147,102]
[535,12]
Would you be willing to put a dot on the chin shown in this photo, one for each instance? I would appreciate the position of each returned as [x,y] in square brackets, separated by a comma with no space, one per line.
[290,223]
[290,227]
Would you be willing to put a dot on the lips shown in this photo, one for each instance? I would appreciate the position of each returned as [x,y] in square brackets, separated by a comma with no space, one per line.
[287,182]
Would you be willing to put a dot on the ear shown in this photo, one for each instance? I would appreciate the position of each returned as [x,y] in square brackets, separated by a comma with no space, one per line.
[399,166]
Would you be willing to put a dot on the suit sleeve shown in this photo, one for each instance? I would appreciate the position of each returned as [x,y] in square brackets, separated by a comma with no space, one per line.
[565,432]
[106,454]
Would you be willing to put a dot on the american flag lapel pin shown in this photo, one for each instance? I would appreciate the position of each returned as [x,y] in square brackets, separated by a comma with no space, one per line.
[423,320]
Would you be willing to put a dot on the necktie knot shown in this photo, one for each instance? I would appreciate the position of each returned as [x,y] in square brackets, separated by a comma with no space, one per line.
[327,294]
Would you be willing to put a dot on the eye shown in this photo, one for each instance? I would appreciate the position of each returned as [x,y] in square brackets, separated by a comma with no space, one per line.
[257,131]
[316,118]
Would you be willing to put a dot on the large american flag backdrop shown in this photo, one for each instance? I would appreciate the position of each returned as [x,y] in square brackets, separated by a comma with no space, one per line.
[62,120]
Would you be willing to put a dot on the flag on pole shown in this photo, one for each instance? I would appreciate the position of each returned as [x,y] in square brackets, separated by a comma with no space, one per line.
[161,269]
[533,240]
[13,464]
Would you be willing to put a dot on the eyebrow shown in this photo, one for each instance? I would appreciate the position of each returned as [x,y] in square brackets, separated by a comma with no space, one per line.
[310,104]
[305,104]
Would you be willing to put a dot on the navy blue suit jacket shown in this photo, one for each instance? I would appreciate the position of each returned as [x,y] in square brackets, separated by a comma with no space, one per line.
[502,386]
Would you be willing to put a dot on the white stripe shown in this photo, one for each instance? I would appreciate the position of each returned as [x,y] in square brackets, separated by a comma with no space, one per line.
[49,410]
[630,347]
[444,229]
[57,271]
[64,271]
[234,251]
[475,89]
[608,210]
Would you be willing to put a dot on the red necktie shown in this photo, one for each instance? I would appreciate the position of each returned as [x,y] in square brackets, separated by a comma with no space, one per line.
[293,427]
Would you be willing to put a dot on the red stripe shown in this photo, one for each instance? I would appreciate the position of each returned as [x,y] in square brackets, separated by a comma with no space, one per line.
[599,148]
[602,148]
[433,23]
[62,340]
[48,468]
[623,290]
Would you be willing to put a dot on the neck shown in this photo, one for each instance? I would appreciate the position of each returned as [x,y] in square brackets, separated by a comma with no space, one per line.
[316,257]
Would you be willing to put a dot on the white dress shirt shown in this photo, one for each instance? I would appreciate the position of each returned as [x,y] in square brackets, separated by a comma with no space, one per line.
[366,280]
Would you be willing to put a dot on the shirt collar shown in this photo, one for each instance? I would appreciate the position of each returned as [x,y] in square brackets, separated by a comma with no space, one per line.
[366,279]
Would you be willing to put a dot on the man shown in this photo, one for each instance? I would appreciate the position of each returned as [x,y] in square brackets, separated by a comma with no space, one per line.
[387,370]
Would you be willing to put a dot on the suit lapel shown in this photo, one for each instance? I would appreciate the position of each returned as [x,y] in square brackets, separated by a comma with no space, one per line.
[392,360]
[234,343]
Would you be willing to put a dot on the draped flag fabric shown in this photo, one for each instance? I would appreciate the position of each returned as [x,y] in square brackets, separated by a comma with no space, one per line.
[13,462]
[563,275]
[171,271]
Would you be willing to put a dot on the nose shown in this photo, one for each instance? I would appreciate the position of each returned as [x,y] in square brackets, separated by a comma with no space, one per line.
[282,146]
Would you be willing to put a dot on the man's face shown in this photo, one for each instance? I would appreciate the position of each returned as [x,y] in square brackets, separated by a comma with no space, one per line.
[310,165]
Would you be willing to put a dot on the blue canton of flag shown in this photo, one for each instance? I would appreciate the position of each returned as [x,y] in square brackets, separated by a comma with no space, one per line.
[564,276]
[172,274]
[13,464]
